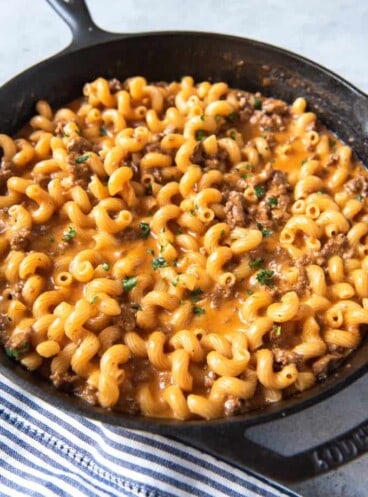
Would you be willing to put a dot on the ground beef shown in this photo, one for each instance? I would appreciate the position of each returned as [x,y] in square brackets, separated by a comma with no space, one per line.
[19,340]
[80,173]
[332,160]
[245,104]
[87,393]
[273,122]
[303,283]
[357,186]
[217,161]
[334,246]
[284,357]
[126,320]
[114,85]
[20,239]
[232,405]
[64,381]
[323,366]
[79,145]
[271,216]
[5,173]
[220,292]
[129,234]
[209,379]
[235,210]
[274,106]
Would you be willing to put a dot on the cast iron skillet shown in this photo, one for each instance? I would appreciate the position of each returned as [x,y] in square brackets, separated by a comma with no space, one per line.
[243,64]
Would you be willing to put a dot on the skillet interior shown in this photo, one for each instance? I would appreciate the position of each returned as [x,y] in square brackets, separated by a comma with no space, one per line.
[242,63]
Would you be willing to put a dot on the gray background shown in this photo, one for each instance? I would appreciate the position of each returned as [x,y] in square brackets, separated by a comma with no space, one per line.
[333,33]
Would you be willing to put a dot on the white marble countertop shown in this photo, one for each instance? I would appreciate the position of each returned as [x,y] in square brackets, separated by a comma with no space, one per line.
[333,33]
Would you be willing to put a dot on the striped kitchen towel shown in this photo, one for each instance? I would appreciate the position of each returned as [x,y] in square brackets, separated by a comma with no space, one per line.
[46,452]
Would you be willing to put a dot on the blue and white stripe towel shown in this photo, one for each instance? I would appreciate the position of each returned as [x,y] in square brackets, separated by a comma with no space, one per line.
[46,452]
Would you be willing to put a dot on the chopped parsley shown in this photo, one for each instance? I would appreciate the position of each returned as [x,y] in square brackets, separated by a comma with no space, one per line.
[233,116]
[277,330]
[332,142]
[196,295]
[70,234]
[150,252]
[198,310]
[265,232]
[103,131]
[259,191]
[16,353]
[200,134]
[250,292]
[175,282]
[145,230]
[360,198]
[257,103]
[105,266]
[129,283]
[256,263]
[159,262]
[137,307]
[95,299]
[264,277]
[233,135]
[304,161]
[202,118]
[272,202]
[82,158]
[320,193]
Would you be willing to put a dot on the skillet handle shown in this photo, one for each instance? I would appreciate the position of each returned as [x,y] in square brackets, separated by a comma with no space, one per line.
[232,445]
[77,16]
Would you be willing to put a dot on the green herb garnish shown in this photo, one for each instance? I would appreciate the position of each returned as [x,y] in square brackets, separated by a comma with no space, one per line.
[259,191]
[175,282]
[250,292]
[95,299]
[105,266]
[16,353]
[198,310]
[264,277]
[256,263]
[360,198]
[265,232]
[150,252]
[103,131]
[233,116]
[129,283]
[70,234]
[137,307]
[196,295]
[272,202]
[257,103]
[202,118]
[233,135]
[145,230]
[82,158]
[200,135]
[278,331]
[159,262]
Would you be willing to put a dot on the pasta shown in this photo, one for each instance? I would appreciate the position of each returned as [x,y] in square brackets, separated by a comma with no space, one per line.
[181,250]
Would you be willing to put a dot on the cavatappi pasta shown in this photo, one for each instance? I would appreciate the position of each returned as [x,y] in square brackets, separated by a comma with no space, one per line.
[181,250]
